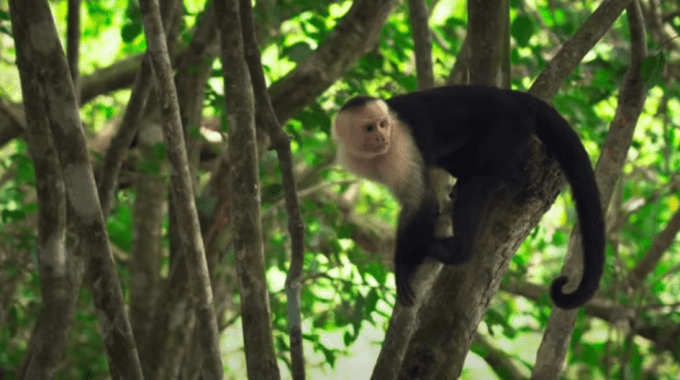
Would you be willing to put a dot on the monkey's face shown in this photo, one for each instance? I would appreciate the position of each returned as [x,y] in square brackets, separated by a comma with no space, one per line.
[365,131]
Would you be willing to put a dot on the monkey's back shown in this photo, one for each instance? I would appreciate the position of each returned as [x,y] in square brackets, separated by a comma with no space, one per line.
[451,123]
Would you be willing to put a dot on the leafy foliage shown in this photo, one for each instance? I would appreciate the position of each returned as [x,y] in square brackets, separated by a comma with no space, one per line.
[348,287]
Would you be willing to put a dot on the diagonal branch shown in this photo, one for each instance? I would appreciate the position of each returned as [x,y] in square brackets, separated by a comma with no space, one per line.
[354,35]
[553,348]
[573,51]
[659,246]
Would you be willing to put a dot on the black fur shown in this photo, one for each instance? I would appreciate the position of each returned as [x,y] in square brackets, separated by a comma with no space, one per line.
[480,135]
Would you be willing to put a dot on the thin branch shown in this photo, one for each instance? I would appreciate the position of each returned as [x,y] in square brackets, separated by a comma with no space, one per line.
[172,324]
[129,125]
[423,43]
[182,190]
[244,184]
[555,343]
[296,228]
[498,360]
[354,36]
[659,331]
[573,51]
[659,246]
[73,42]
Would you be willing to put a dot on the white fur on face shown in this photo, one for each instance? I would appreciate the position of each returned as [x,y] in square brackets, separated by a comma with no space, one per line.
[374,144]
[365,131]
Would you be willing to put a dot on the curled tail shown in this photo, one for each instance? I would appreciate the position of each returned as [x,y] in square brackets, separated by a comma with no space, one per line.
[565,144]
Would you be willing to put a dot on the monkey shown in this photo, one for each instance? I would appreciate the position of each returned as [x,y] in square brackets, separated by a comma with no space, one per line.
[480,136]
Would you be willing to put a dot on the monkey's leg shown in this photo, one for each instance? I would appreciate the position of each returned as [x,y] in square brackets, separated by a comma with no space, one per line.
[470,208]
[414,234]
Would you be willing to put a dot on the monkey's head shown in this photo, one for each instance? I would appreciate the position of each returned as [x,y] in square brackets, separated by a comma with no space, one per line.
[363,127]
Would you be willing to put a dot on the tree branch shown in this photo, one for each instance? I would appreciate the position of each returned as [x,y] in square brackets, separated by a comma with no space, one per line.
[423,43]
[244,183]
[181,188]
[44,67]
[553,348]
[296,228]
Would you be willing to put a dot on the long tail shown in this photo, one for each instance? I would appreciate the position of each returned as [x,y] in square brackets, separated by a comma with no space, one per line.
[565,144]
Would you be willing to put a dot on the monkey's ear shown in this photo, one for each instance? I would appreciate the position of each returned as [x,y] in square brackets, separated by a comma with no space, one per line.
[341,126]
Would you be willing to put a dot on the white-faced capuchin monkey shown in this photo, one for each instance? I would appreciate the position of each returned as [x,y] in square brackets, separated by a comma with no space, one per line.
[480,135]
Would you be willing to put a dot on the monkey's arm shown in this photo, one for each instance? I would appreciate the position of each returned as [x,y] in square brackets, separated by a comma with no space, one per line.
[415,233]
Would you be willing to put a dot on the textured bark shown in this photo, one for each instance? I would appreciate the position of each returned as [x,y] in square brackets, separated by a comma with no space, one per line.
[576,47]
[172,324]
[73,42]
[245,192]
[182,190]
[59,276]
[486,40]
[403,324]
[555,343]
[168,340]
[281,143]
[44,66]
[148,213]
[461,295]
[129,125]
[423,43]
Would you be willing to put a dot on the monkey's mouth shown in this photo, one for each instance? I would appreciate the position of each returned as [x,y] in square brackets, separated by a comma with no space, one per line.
[380,148]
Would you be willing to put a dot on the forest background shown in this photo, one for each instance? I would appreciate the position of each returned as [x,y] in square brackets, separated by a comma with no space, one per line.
[274,222]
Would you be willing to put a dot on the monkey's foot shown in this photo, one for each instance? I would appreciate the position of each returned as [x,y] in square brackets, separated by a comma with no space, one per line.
[447,251]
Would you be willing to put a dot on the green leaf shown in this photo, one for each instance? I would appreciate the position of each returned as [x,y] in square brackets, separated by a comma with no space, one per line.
[522,29]
[11,216]
[130,31]
[25,170]
[652,68]
[345,231]
[329,355]
[299,52]
[358,316]
[377,271]
[347,339]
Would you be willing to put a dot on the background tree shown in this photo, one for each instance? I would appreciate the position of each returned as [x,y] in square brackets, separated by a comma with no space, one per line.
[322,263]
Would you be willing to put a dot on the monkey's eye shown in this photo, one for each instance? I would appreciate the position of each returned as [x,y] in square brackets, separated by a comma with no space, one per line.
[369,128]
[383,124]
